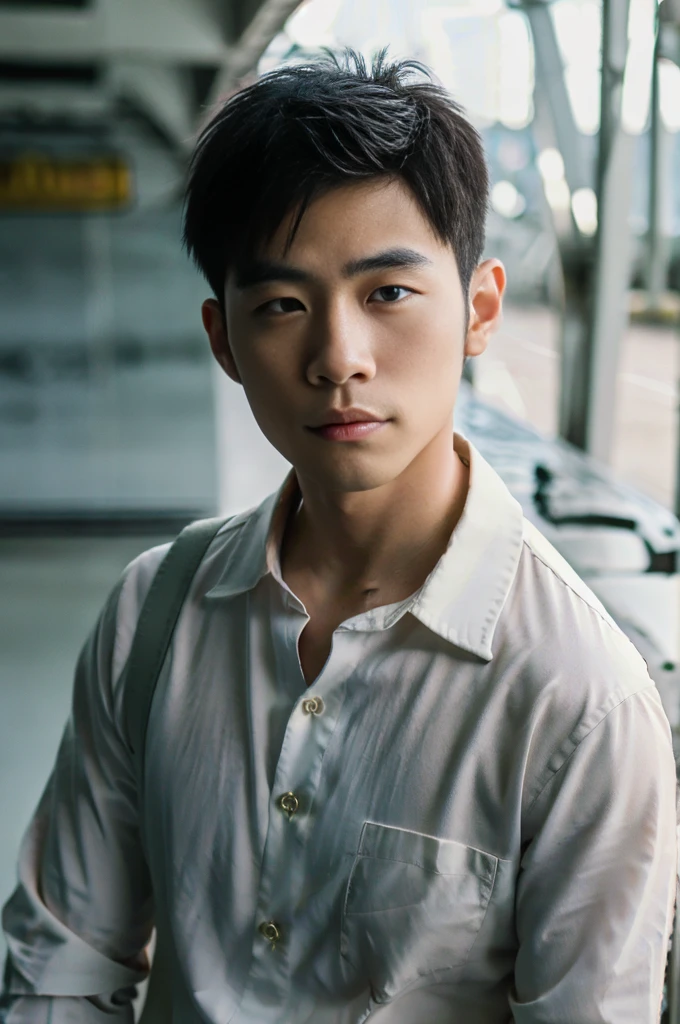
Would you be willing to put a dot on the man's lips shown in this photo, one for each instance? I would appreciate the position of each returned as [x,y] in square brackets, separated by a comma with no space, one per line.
[354,431]
[353,414]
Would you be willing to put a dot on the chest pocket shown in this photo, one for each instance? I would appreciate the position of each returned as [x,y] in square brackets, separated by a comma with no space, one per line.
[414,904]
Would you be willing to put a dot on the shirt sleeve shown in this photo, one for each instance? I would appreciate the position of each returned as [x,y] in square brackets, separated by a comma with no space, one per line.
[81,916]
[598,877]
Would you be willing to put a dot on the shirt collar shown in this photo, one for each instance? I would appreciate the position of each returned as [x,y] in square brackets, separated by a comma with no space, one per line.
[464,595]
[252,542]
[462,598]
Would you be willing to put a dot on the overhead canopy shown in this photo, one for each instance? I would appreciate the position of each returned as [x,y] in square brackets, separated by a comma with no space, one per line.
[170,58]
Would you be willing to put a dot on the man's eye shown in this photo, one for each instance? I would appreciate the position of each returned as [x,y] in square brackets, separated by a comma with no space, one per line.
[285,305]
[390,293]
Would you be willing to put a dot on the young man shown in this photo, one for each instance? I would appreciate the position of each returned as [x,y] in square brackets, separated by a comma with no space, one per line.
[401,765]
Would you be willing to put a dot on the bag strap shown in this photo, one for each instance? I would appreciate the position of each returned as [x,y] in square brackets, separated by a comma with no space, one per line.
[155,628]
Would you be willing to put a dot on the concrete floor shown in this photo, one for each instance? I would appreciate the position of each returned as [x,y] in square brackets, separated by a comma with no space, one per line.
[50,594]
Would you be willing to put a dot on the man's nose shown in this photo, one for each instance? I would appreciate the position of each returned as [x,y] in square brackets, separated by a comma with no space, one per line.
[339,347]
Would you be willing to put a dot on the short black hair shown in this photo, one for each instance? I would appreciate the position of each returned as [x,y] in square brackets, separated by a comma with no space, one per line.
[302,130]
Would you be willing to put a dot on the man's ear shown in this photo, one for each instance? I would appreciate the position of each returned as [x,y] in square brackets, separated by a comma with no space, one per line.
[486,305]
[215,328]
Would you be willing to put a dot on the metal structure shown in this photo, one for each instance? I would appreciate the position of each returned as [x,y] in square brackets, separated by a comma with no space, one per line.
[168,60]
[611,272]
[667,47]
[596,270]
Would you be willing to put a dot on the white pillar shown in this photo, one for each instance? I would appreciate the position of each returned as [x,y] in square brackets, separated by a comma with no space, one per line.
[248,467]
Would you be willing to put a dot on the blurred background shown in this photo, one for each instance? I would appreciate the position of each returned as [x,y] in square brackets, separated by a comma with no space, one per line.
[114,428]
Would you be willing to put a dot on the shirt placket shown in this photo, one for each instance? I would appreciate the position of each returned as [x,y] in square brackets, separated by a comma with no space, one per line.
[291,816]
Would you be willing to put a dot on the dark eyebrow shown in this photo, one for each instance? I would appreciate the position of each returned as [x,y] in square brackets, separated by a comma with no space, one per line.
[257,271]
[390,259]
[262,271]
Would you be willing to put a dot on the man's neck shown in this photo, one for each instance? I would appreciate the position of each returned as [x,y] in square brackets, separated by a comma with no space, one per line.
[375,547]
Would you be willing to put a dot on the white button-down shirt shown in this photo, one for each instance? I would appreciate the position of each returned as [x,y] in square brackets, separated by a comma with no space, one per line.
[469,817]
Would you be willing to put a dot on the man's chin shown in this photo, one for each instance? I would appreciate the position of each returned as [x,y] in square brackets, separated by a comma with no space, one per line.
[351,479]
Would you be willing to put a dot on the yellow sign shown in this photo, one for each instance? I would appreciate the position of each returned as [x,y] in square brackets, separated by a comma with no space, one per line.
[38,183]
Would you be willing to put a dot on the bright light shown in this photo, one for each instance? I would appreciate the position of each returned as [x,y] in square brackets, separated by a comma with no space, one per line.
[584,208]
[583,87]
[551,165]
[558,195]
[480,51]
[506,200]
[578,27]
[637,82]
[477,8]
[669,94]
[312,23]
[515,81]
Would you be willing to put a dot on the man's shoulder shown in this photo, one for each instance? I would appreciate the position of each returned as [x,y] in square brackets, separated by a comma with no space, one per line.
[546,564]
[578,652]
[574,669]
[141,571]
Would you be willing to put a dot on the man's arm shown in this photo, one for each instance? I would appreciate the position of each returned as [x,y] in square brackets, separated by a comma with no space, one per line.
[597,881]
[80,918]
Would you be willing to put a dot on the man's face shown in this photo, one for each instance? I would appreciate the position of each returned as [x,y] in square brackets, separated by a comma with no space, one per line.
[363,313]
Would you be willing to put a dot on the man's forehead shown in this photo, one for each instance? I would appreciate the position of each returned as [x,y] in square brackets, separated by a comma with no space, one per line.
[355,227]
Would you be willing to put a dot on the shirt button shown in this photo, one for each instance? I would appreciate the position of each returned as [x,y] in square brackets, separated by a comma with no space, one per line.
[312,706]
[271,932]
[289,803]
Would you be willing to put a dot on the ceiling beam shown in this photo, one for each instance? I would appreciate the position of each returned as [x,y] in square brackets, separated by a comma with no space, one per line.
[243,57]
[161,93]
[168,31]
